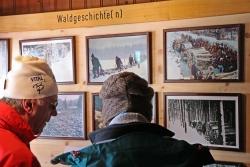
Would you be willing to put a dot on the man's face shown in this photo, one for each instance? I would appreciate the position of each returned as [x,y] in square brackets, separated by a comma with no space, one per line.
[42,111]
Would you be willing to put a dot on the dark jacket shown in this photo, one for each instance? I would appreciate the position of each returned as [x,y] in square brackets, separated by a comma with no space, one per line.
[136,145]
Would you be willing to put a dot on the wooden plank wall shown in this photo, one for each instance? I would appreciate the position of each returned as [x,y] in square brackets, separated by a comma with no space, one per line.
[12,7]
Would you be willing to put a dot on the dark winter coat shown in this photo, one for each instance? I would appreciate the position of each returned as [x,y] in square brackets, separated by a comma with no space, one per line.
[136,145]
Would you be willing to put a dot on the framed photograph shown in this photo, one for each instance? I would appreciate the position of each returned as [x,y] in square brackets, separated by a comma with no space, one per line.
[204,54]
[70,120]
[211,119]
[4,56]
[97,109]
[111,54]
[58,52]
[225,164]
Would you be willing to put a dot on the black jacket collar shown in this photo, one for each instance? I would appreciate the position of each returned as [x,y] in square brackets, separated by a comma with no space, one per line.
[117,130]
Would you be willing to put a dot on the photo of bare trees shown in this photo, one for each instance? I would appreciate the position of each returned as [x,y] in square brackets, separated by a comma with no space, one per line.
[209,119]
[70,121]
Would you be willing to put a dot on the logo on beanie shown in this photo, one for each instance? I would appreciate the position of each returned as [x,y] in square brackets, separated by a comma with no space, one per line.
[38,82]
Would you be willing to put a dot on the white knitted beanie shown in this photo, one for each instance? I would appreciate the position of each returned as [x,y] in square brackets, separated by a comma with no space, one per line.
[31,78]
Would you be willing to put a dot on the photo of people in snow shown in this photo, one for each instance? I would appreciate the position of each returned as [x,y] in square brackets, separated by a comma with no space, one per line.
[209,120]
[111,54]
[69,122]
[58,53]
[207,53]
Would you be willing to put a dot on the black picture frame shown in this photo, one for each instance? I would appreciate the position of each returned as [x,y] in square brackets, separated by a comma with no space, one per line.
[114,53]
[58,52]
[211,119]
[204,54]
[4,56]
[70,122]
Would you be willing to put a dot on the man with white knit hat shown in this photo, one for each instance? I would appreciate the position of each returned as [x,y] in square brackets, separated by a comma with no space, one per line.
[29,100]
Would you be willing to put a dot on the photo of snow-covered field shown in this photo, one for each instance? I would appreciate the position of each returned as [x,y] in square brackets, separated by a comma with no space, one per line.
[204,53]
[69,122]
[58,53]
[111,54]
[211,120]
[4,56]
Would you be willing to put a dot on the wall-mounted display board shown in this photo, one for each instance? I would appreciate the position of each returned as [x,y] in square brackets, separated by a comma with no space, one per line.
[212,119]
[204,54]
[70,122]
[58,52]
[111,54]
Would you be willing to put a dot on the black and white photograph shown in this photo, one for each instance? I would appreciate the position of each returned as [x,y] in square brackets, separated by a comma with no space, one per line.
[211,119]
[58,52]
[111,54]
[204,54]
[225,164]
[70,120]
[97,109]
[4,56]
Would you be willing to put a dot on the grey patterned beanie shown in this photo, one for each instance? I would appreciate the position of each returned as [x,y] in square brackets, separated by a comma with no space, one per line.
[116,90]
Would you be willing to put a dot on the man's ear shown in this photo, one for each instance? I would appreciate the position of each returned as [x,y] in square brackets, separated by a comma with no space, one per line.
[27,105]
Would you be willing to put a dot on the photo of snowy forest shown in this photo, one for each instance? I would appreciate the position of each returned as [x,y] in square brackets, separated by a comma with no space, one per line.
[210,119]
[212,53]
[69,122]
[225,164]
[111,54]
[4,56]
[97,110]
[57,52]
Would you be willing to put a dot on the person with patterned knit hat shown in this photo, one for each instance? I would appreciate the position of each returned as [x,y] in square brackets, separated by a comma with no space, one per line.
[129,139]
[29,99]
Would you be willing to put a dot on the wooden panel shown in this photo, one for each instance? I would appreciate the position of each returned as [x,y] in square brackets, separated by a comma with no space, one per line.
[125,2]
[78,4]
[93,3]
[109,2]
[7,7]
[35,6]
[48,5]
[142,1]
[22,6]
[63,5]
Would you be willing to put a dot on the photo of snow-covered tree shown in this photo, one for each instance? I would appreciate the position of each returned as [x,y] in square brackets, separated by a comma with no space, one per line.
[69,122]
[57,52]
[212,120]
[212,53]
[97,110]
[111,54]
[4,56]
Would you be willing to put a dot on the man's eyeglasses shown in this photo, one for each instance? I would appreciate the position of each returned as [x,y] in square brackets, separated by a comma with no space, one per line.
[53,105]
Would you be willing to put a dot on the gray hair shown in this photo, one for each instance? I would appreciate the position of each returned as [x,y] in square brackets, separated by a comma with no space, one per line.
[15,103]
